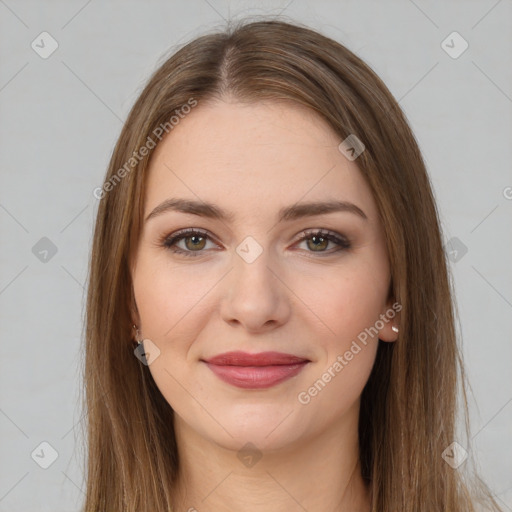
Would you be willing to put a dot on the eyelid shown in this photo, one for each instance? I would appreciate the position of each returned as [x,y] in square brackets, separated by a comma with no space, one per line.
[326,233]
[185,233]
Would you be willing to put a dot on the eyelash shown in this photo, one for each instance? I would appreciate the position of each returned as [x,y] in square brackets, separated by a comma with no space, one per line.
[169,241]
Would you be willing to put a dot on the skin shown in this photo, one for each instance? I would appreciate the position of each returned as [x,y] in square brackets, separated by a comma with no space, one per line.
[252,160]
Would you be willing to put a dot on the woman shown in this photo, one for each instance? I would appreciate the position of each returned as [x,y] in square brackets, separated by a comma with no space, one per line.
[269,321]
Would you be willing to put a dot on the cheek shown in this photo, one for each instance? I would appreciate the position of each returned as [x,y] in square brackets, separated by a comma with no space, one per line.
[169,303]
[346,300]
[348,306]
[167,296]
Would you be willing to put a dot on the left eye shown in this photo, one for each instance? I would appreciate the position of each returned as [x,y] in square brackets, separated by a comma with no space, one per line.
[195,241]
[321,239]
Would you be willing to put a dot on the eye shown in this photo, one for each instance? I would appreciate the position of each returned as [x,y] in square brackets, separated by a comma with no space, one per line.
[194,242]
[319,240]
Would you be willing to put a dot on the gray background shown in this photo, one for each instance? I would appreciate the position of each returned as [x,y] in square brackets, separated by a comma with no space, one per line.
[60,117]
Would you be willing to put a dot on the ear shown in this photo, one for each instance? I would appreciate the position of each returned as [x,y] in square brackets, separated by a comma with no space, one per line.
[134,312]
[390,317]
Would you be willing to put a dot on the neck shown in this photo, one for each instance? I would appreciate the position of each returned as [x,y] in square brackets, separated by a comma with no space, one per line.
[322,473]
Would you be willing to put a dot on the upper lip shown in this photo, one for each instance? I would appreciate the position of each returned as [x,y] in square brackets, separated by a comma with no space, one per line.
[260,359]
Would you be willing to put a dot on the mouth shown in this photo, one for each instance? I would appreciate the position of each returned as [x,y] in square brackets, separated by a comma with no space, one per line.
[255,371]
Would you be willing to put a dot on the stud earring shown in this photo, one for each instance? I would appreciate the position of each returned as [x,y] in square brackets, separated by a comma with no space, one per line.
[394,328]
[137,335]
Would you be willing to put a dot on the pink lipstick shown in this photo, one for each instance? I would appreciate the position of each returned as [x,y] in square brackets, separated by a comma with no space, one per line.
[255,371]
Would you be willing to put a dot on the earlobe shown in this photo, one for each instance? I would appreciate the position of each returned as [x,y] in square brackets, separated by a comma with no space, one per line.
[390,330]
[134,317]
[134,320]
[134,312]
[396,330]
[387,336]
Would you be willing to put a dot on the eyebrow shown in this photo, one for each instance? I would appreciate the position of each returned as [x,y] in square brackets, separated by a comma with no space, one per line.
[288,213]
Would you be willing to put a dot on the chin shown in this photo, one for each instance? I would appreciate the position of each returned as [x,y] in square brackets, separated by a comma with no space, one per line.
[266,427]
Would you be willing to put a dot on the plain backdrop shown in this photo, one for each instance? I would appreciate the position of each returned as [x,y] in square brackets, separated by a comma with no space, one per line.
[61,113]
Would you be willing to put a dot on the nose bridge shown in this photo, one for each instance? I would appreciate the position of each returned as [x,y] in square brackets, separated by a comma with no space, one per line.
[252,274]
[254,295]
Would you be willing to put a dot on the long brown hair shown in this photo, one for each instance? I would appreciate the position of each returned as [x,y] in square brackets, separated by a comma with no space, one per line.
[409,405]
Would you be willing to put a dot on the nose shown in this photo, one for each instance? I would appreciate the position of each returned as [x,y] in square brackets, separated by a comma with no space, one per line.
[255,296]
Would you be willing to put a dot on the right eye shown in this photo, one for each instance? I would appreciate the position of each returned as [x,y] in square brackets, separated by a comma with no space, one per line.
[194,242]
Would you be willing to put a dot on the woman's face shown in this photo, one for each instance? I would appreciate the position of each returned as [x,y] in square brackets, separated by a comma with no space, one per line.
[248,283]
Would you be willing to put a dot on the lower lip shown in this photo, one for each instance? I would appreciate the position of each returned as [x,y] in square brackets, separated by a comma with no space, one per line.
[256,377]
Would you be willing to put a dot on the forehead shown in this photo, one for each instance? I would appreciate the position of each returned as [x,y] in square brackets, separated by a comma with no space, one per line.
[244,156]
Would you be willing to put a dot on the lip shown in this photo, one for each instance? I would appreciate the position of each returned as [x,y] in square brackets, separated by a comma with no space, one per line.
[255,371]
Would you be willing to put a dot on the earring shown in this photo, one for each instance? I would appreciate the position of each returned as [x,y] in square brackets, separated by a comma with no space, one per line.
[137,336]
[394,328]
